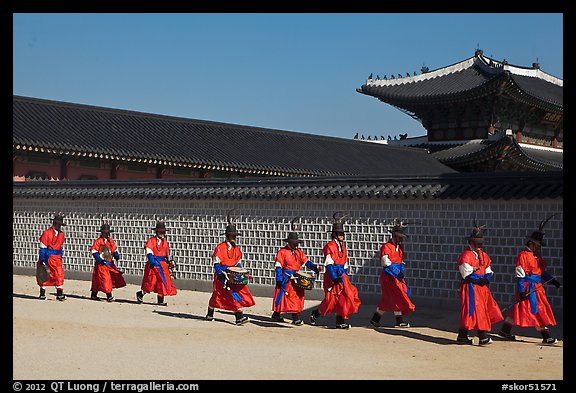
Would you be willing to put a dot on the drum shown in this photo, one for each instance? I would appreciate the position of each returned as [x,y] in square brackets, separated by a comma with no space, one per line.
[105,253]
[237,275]
[42,273]
[304,280]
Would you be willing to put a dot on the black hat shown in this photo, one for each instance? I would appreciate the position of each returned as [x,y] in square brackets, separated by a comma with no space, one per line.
[105,227]
[231,228]
[293,235]
[538,235]
[399,230]
[477,234]
[338,225]
[160,225]
[59,217]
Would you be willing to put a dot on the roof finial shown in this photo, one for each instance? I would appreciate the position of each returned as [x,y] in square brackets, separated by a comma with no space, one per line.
[479,52]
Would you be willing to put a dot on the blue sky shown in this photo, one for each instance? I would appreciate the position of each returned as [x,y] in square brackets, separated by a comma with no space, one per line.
[295,72]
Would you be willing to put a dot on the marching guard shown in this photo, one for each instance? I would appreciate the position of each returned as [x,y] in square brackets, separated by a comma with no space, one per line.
[478,308]
[288,296]
[531,307]
[340,295]
[395,292]
[105,275]
[228,294]
[49,268]
[157,276]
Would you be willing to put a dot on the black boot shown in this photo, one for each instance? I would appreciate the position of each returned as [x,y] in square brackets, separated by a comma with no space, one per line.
[314,317]
[546,339]
[375,321]
[60,294]
[210,314]
[42,295]
[109,297]
[463,337]
[161,301]
[296,319]
[276,317]
[483,338]
[342,323]
[241,319]
[400,322]
[139,296]
[505,332]
[94,295]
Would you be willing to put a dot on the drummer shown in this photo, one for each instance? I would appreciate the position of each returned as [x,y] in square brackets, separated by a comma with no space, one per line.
[289,298]
[227,295]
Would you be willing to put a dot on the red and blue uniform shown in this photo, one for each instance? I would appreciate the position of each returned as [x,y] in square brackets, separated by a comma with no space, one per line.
[478,309]
[289,298]
[156,273]
[224,256]
[105,275]
[51,242]
[395,292]
[342,298]
[534,311]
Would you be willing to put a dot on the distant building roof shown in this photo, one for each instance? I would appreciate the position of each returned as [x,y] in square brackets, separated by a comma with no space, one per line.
[478,75]
[502,154]
[105,133]
[534,185]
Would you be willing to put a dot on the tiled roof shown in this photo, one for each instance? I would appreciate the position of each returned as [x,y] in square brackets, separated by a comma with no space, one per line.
[506,151]
[476,75]
[105,133]
[528,185]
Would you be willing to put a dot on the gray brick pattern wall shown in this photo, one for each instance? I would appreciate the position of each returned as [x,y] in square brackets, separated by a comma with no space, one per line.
[435,240]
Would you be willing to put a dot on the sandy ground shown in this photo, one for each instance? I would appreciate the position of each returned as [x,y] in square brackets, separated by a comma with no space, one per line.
[82,339]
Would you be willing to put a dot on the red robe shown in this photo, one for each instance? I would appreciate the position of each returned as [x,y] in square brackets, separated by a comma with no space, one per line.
[340,299]
[530,263]
[394,292]
[152,280]
[486,310]
[104,278]
[221,297]
[53,241]
[293,299]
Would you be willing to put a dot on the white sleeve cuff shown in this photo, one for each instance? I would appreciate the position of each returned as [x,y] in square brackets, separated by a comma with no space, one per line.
[465,270]
[385,260]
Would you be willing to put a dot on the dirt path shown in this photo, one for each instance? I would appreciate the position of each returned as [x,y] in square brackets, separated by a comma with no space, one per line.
[82,339]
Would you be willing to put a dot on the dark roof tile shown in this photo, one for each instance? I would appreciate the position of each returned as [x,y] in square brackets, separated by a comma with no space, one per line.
[83,129]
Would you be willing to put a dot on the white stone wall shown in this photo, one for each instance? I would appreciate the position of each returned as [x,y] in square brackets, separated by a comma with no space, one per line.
[435,240]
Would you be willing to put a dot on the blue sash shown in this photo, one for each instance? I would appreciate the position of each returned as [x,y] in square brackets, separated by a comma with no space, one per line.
[472,278]
[393,270]
[155,261]
[533,279]
[285,277]
[45,253]
[337,269]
